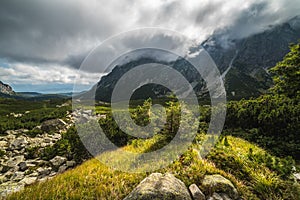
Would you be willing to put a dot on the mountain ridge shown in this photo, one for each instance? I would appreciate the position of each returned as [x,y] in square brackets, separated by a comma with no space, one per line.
[245,62]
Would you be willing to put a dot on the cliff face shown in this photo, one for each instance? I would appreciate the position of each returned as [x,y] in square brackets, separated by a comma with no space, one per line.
[6,89]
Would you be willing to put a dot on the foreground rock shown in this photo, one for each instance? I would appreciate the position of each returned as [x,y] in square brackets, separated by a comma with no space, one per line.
[158,186]
[196,192]
[217,186]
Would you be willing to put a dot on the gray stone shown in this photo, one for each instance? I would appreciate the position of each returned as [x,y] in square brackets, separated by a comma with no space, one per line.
[9,175]
[52,125]
[71,163]
[34,174]
[15,161]
[158,186]
[62,168]
[44,171]
[47,140]
[10,137]
[225,196]
[18,176]
[19,143]
[215,196]
[219,184]
[58,161]
[25,165]
[3,144]
[297,177]
[29,180]
[3,179]
[196,192]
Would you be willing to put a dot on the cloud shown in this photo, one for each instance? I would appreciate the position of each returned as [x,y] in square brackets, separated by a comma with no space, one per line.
[55,36]
[20,73]
[57,31]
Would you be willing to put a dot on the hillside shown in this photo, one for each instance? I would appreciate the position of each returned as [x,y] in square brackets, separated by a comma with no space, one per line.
[251,176]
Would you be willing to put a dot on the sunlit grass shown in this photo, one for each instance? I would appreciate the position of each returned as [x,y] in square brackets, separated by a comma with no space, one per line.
[94,180]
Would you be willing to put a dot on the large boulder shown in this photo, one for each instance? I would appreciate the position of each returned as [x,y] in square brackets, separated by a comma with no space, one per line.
[158,186]
[218,184]
[52,125]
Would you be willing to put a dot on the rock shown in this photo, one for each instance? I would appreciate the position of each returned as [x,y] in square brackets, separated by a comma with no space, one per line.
[225,196]
[5,168]
[297,177]
[62,168]
[219,184]
[56,136]
[34,174]
[14,161]
[52,125]
[47,140]
[158,186]
[25,165]
[18,176]
[215,196]
[52,174]
[10,187]
[3,144]
[29,180]
[19,143]
[43,171]
[3,179]
[196,192]
[58,161]
[9,174]
[71,163]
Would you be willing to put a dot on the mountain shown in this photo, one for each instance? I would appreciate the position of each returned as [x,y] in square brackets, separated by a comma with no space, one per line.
[244,63]
[6,89]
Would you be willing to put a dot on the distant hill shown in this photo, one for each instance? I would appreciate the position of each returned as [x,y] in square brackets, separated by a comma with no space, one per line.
[6,89]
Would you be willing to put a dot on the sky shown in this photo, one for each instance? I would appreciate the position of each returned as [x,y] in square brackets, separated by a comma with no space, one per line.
[43,43]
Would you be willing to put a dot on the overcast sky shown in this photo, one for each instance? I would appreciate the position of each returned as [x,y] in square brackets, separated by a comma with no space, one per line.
[42,43]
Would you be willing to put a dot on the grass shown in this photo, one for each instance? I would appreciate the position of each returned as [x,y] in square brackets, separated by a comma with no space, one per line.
[94,180]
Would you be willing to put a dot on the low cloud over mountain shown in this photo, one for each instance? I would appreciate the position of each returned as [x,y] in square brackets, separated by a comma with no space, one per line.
[55,36]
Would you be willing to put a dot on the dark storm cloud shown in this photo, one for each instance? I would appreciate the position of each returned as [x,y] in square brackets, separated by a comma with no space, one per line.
[48,31]
[63,32]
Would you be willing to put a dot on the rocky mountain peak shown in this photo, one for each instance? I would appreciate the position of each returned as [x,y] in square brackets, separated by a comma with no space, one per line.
[6,89]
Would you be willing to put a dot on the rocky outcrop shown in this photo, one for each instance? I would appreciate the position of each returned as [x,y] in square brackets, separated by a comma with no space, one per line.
[158,186]
[6,89]
[19,166]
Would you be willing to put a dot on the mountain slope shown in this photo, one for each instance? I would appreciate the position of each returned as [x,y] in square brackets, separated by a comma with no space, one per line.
[93,180]
[252,57]
[243,62]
